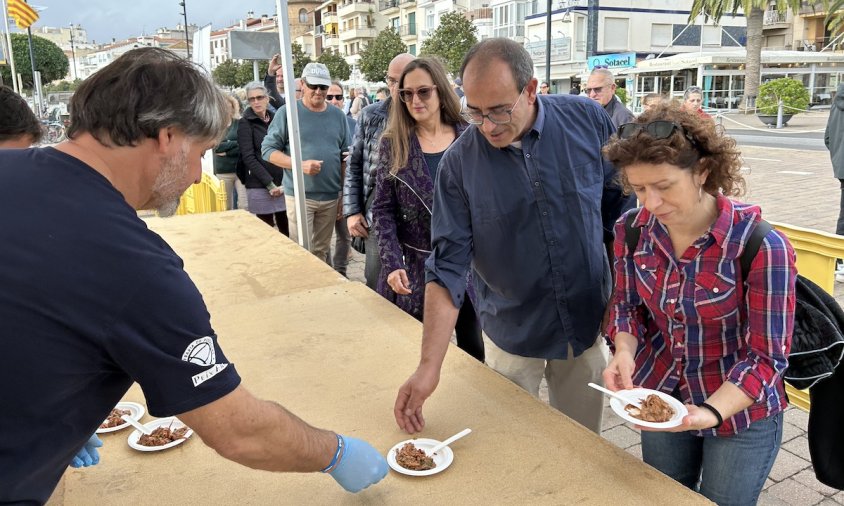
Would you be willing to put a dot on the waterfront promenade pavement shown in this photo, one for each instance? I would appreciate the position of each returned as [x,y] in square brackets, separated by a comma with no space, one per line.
[791,186]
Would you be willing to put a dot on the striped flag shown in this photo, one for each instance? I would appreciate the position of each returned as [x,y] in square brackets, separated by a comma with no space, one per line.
[23,14]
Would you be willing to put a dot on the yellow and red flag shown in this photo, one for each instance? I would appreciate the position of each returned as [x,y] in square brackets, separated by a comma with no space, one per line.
[23,14]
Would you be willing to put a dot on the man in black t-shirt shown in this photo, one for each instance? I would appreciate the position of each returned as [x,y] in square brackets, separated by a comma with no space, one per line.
[92,300]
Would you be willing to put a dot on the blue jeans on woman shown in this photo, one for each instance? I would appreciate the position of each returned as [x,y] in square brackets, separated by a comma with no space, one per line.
[729,470]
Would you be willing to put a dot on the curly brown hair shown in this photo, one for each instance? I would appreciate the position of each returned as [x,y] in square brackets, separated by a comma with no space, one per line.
[702,148]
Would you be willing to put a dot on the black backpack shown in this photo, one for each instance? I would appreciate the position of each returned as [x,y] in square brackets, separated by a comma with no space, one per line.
[817,345]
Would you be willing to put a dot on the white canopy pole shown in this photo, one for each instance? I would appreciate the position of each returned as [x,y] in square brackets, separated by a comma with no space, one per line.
[293,124]
[9,44]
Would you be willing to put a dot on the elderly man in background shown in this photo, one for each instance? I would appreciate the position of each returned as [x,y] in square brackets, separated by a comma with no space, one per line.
[360,176]
[342,239]
[325,137]
[601,88]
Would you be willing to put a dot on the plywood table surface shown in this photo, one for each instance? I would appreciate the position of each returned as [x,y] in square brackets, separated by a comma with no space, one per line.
[335,355]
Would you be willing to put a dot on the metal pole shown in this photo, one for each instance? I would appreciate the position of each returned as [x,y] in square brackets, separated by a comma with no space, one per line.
[73,54]
[185,16]
[592,28]
[293,125]
[548,45]
[36,96]
[9,44]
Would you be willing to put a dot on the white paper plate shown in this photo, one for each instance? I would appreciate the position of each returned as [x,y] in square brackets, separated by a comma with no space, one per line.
[136,411]
[637,394]
[442,458]
[172,422]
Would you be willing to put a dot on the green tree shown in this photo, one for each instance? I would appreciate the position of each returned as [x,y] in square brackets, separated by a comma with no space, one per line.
[300,59]
[246,74]
[337,66]
[50,60]
[63,86]
[451,40]
[225,74]
[754,12]
[835,15]
[376,56]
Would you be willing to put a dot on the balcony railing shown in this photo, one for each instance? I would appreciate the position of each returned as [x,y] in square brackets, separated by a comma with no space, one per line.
[407,30]
[383,5]
[406,2]
[774,18]
[353,6]
[358,33]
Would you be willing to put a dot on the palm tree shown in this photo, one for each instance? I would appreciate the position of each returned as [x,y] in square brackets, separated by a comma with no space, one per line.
[835,15]
[754,12]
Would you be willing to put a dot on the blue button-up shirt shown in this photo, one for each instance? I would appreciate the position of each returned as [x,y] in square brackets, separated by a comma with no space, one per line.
[532,223]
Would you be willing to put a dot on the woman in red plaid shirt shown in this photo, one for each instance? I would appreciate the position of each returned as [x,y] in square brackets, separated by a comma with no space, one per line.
[682,320]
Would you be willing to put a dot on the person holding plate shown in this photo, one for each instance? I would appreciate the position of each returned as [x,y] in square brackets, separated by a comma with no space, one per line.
[683,322]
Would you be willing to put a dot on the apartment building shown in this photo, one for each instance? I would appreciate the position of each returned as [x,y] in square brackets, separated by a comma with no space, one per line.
[633,30]
[359,23]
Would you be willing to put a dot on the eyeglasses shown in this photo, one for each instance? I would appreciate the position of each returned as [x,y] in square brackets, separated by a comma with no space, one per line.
[424,92]
[256,98]
[334,97]
[660,129]
[499,117]
[596,90]
[320,87]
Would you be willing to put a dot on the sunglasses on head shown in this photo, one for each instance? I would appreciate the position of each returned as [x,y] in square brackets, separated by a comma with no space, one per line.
[320,87]
[334,97]
[424,93]
[660,129]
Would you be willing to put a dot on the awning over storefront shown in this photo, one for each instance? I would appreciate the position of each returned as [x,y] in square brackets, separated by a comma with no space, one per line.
[737,57]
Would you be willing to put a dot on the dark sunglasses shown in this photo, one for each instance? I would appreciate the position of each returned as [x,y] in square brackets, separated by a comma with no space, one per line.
[596,89]
[424,93]
[320,87]
[334,97]
[660,129]
[256,98]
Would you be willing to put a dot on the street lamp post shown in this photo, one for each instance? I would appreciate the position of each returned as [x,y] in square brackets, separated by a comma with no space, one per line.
[548,44]
[73,53]
[185,16]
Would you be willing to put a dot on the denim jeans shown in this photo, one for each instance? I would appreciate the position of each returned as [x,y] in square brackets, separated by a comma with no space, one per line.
[728,470]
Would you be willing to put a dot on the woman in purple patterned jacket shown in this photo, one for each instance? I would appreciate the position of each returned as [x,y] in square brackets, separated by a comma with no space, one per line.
[414,140]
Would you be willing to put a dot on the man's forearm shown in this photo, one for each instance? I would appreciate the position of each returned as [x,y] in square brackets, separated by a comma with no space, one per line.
[439,319]
[261,434]
[280,159]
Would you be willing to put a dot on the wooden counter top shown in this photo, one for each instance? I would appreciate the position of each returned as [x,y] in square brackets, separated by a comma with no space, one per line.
[335,353]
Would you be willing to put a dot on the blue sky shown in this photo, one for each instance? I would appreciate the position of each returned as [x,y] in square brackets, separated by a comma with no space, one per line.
[104,19]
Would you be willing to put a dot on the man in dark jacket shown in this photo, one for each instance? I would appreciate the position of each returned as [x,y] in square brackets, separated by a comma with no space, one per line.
[601,88]
[834,140]
[363,162]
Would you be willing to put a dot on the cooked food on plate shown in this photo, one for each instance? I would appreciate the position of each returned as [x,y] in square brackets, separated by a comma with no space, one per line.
[413,458]
[162,436]
[653,409]
[113,419]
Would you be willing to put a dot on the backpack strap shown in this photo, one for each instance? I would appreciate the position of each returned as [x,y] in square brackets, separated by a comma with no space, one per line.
[752,247]
[631,233]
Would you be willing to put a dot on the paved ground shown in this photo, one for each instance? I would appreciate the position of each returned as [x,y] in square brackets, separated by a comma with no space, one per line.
[791,186]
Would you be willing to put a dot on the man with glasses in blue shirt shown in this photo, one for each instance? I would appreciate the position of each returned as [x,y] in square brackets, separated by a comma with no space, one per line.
[526,200]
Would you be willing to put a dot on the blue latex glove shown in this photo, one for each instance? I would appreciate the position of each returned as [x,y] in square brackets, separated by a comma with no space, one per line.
[361,466]
[88,455]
